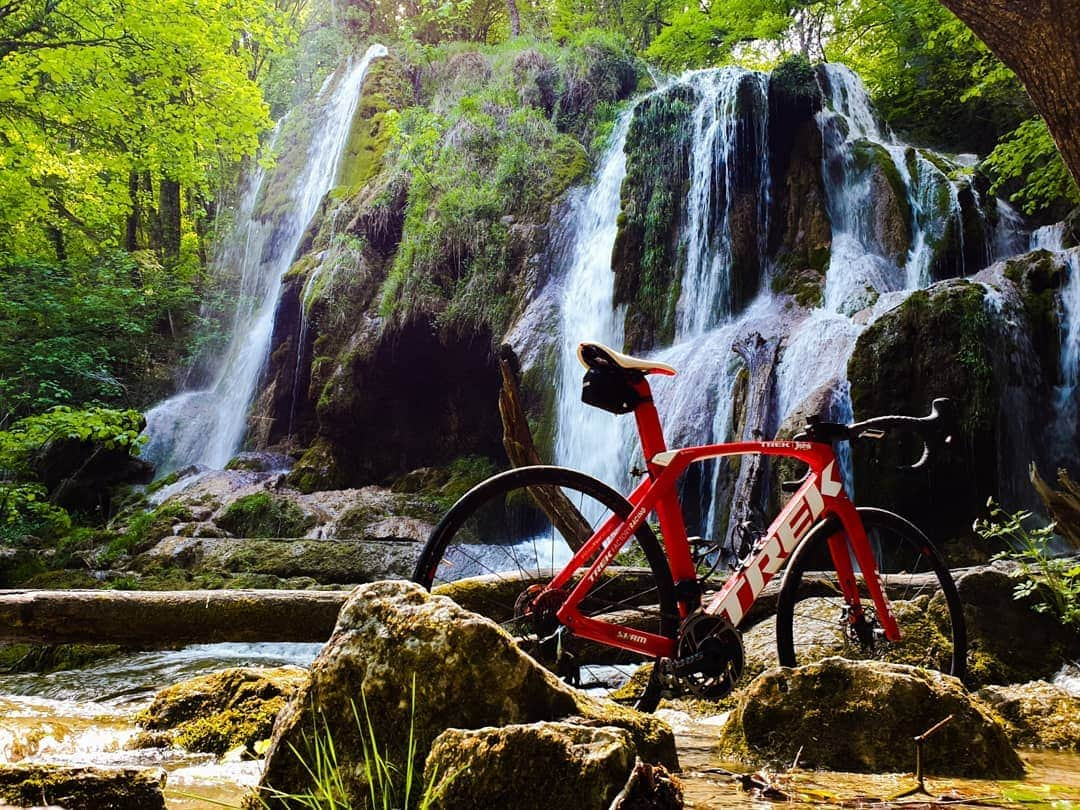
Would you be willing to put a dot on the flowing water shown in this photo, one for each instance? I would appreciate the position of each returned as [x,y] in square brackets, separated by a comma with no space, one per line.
[85,717]
[588,438]
[207,426]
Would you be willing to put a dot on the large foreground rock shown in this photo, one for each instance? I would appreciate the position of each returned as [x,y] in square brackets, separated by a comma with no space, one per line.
[222,711]
[861,716]
[1037,714]
[406,659]
[82,788]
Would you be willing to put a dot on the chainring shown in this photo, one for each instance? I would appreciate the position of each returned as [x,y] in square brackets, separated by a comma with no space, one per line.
[709,656]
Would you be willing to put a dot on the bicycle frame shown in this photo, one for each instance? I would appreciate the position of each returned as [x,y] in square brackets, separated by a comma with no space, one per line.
[821,497]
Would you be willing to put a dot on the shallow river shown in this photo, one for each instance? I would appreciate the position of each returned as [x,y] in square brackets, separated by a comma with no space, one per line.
[84,717]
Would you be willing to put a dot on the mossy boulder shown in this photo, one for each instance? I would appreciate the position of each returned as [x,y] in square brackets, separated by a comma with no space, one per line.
[861,716]
[223,711]
[538,765]
[417,664]
[82,788]
[1037,714]
[317,469]
[261,514]
[1009,641]
[940,342]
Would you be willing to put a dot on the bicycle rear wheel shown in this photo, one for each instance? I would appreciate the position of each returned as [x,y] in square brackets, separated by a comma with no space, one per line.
[497,546]
[811,616]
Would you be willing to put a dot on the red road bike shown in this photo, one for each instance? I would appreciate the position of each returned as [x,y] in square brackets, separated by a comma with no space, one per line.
[575,572]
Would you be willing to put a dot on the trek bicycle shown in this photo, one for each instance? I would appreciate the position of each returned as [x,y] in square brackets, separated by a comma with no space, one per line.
[576,573]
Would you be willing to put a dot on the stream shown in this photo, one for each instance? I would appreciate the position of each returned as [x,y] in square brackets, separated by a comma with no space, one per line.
[85,717]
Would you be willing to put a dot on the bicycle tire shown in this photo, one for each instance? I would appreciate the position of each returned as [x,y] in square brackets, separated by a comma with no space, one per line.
[809,615]
[502,504]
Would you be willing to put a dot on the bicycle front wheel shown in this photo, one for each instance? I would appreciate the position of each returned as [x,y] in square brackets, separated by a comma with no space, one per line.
[499,546]
[812,617]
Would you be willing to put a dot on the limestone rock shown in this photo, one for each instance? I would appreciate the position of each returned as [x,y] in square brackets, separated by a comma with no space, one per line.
[82,788]
[861,716]
[326,561]
[1037,714]
[221,711]
[540,765]
[407,659]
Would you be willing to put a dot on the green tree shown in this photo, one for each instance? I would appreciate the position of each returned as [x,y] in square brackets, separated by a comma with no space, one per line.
[109,108]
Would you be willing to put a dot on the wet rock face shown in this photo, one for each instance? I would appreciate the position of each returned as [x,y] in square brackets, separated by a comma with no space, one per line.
[415,397]
[223,711]
[938,343]
[84,788]
[644,258]
[1037,714]
[861,716]
[411,660]
[538,766]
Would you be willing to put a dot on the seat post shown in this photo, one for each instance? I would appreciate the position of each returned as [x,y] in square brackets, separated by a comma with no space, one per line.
[648,425]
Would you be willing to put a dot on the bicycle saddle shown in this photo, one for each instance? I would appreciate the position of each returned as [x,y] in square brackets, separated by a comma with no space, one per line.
[597,355]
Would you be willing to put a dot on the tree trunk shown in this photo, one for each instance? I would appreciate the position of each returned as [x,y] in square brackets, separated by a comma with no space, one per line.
[750,495]
[131,237]
[517,439]
[169,213]
[515,20]
[152,618]
[1040,41]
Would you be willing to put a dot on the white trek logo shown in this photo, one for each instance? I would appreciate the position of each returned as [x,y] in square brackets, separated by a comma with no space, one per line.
[613,547]
[795,521]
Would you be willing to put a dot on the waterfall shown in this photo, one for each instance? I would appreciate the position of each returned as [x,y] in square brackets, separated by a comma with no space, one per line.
[207,426]
[589,439]
[1067,394]
[1063,433]
[891,206]
[724,157]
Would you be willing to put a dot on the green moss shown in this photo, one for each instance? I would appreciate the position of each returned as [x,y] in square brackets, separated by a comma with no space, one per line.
[1038,277]
[386,87]
[144,529]
[224,710]
[646,257]
[318,468]
[796,78]
[263,515]
[53,657]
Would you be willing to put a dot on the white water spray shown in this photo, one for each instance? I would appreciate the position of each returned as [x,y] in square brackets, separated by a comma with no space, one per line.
[207,426]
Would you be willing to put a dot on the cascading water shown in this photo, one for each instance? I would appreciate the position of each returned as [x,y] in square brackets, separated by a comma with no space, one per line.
[589,439]
[207,426]
[1064,434]
[719,160]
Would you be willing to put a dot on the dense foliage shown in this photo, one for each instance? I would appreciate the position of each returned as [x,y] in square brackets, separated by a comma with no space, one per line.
[506,133]
[25,507]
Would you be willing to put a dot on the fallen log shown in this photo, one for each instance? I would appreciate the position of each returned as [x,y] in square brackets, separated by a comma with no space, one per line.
[150,618]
